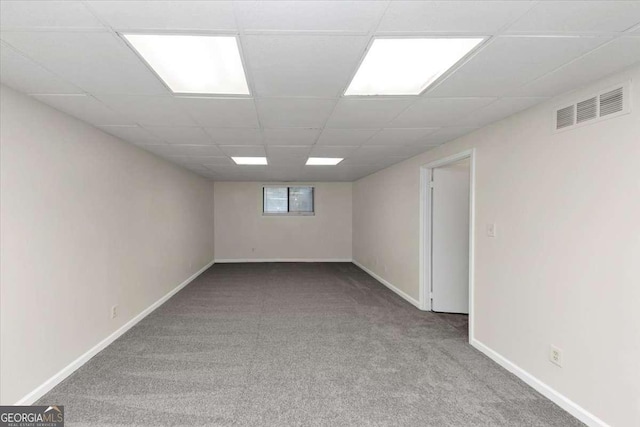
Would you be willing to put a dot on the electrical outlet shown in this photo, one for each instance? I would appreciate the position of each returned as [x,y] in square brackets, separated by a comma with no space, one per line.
[491,230]
[555,355]
[114,311]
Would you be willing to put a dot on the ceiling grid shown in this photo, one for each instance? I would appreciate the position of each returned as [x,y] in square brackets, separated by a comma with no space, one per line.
[299,57]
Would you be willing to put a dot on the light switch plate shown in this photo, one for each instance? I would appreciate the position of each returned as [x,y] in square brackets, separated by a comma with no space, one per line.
[491,230]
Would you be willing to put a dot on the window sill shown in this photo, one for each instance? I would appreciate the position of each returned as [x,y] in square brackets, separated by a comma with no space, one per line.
[289,214]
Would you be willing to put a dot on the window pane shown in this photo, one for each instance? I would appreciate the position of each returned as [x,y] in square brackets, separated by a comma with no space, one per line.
[275,199]
[300,199]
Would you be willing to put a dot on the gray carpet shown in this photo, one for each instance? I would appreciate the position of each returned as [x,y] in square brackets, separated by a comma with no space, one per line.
[297,344]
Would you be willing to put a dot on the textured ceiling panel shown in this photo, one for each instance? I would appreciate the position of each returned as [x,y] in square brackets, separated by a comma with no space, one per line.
[346,16]
[166,15]
[451,16]
[85,107]
[27,76]
[37,15]
[99,63]
[511,62]
[296,112]
[579,16]
[318,66]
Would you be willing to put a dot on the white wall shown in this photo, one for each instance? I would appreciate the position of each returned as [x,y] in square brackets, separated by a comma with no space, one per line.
[88,221]
[243,233]
[564,268]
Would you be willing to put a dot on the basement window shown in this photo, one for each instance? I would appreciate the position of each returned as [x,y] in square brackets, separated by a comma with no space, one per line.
[287,200]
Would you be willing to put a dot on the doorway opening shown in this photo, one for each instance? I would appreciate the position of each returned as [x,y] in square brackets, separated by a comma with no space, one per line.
[446,237]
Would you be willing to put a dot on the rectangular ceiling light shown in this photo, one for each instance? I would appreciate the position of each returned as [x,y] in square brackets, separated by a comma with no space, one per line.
[323,161]
[250,160]
[407,66]
[194,64]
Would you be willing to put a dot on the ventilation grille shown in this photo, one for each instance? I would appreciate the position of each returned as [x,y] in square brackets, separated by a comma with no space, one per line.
[564,117]
[587,110]
[611,102]
[598,107]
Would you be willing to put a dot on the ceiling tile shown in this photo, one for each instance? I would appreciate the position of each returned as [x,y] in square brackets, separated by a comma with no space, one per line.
[221,112]
[302,65]
[215,161]
[374,155]
[347,16]
[435,112]
[133,134]
[288,150]
[288,155]
[332,151]
[498,110]
[235,136]
[361,113]
[46,14]
[510,62]
[345,169]
[197,167]
[181,135]
[447,134]
[345,136]
[239,173]
[579,16]
[177,159]
[199,150]
[149,110]
[370,150]
[323,174]
[399,136]
[166,15]
[451,16]
[416,148]
[84,107]
[294,112]
[290,136]
[95,62]
[607,59]
[280,173]
[244,150]
[192,151]
[26,76]
[164,150]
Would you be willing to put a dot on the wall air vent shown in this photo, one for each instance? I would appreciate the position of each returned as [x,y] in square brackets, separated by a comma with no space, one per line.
[565,116]
[612,102]
[607,104]
[587,110]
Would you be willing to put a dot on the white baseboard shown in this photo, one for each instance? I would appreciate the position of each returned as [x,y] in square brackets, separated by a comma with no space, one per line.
[403,294]
[45,387]
[559,399]
[229,261]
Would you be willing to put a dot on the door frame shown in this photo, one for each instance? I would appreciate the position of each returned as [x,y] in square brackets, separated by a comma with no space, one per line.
[426,223]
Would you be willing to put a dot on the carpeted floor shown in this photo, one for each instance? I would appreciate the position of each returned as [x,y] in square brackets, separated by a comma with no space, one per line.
[297,344]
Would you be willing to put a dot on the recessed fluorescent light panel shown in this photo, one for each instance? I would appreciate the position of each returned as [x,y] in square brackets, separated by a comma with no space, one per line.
[323,161]
[250,160]
[194,64]
[407,66]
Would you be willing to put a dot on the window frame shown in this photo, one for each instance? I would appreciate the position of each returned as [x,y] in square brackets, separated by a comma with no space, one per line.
[288,213]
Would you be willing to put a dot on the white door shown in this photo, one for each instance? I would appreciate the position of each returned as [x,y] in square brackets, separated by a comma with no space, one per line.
[450,238]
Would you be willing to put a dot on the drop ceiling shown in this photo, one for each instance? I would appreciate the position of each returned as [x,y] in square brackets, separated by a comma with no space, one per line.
[299,58]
